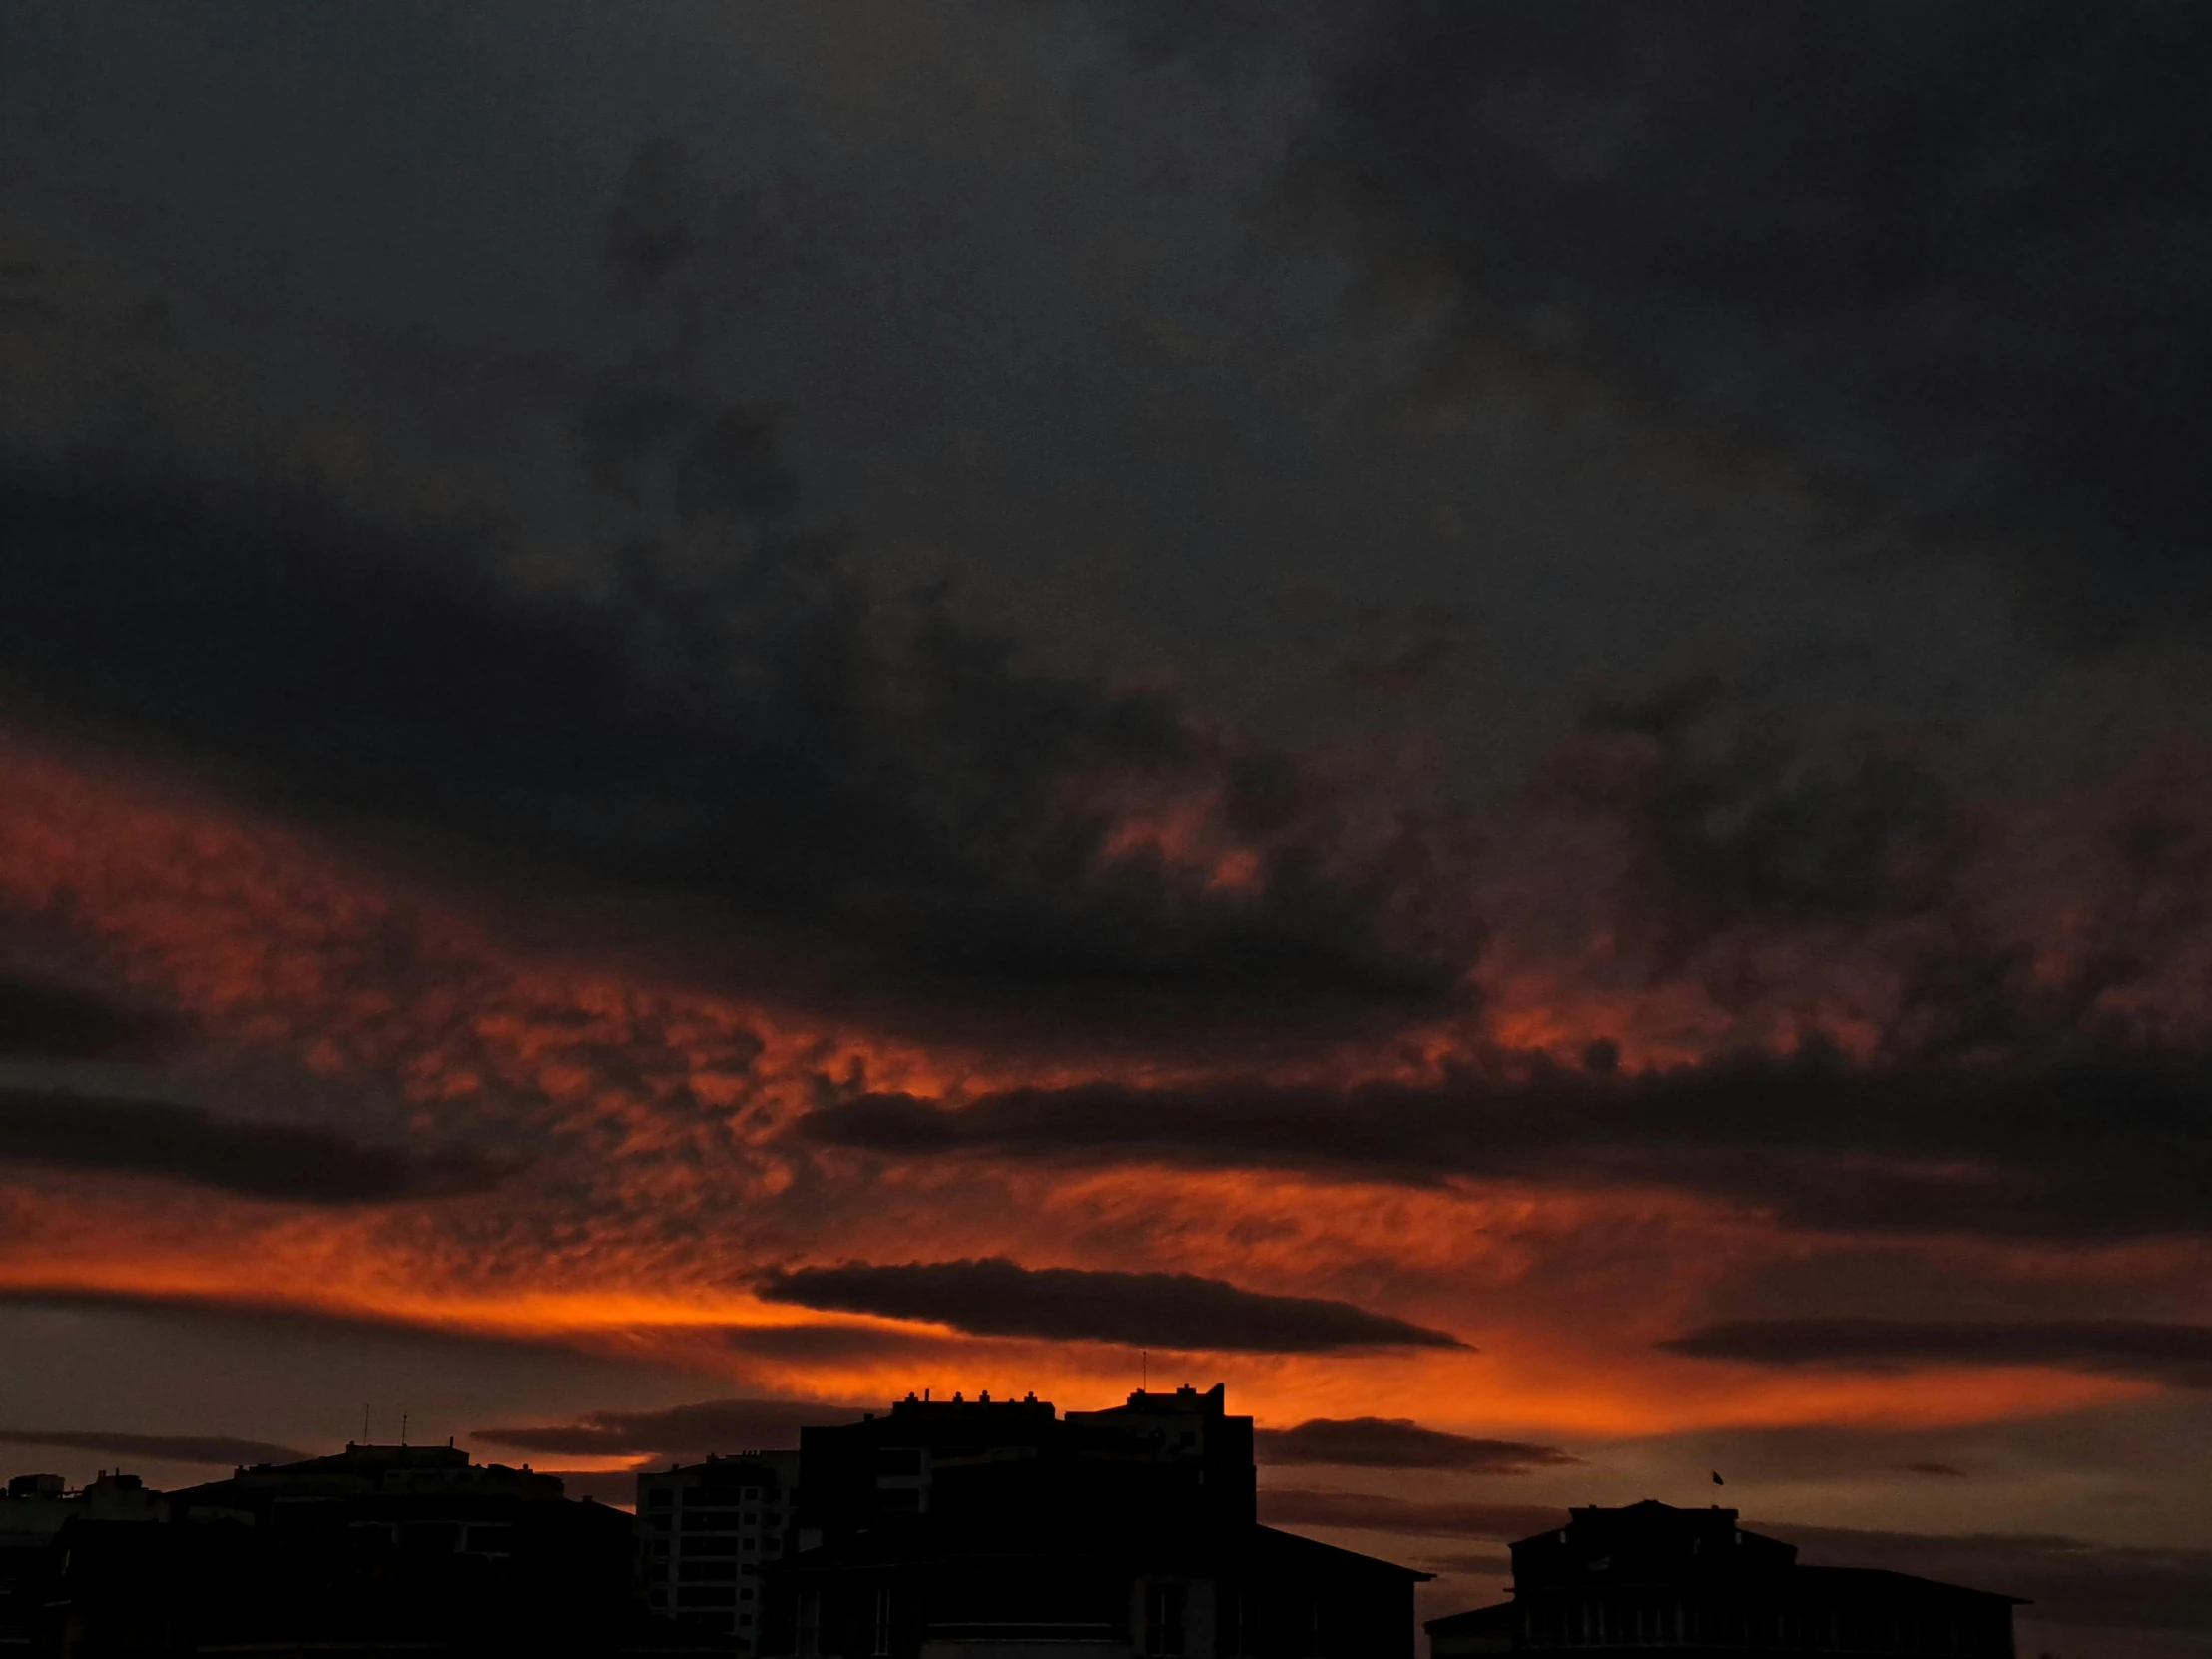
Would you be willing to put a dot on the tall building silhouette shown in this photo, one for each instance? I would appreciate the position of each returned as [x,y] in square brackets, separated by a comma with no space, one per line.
[705,1531]
[984,1527]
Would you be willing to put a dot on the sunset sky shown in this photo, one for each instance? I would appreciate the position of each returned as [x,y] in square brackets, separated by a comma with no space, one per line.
[1485,716]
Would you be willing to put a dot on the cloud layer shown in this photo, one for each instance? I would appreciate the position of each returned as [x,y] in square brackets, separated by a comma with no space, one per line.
[295,1162]
[2174,1354]
[1824,1140]
[1399,1444]
[1411,1517]
[875,786]
[718,1425]
[995,1297]
[168,1449]
[44,1020]
[1942,263]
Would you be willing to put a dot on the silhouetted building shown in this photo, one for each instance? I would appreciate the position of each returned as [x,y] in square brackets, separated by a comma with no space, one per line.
[950,1528]
[1160,1453]
[1693,1581]
[32,1515]
[376,1549]
[704,1532]
[37,1506]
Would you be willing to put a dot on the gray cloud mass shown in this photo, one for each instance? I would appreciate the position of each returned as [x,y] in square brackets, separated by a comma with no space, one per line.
[1943,259]
[296,1161]
[41,1020]
[2167,1352]
[173,1449]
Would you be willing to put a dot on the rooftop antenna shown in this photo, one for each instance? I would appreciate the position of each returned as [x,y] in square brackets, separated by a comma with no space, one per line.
[1144,1370]
[402,1429]
[364,1426]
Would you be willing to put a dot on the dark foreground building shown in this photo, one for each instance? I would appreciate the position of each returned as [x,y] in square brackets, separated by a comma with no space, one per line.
[1694,1582]
[957,1529]
[377,1551]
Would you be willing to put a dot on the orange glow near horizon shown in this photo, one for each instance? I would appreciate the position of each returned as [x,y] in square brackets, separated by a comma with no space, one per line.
[660,1181]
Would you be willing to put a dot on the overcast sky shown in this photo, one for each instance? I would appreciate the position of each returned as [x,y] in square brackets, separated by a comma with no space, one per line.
[1477,715]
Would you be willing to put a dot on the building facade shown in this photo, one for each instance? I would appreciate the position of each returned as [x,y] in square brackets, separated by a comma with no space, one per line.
[705,1531]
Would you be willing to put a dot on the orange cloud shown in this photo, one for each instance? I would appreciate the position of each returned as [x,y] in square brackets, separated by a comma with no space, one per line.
[661,1182]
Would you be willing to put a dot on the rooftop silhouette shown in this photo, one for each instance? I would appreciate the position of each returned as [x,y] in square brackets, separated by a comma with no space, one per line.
[1696,1583]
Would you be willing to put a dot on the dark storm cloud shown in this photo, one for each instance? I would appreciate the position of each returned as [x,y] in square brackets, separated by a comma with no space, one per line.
[2095,1148]
[171,1448]
[1371,1512]
[1946,258]
[2069,1581]
[256,1160]
[2175,1353]
[998,1298]
[41,1020]
[761,735]
[1728,817]
[720,1426]
[1397,1443]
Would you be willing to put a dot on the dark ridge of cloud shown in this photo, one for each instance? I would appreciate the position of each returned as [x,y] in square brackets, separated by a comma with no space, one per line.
[1946,259]
[255,1160]
[995,1297]
[718,1426]
[2175,1353]
[2069,1581]
[1475,1565]
[1945,1471]
[2103,1146]
[1399,1444]
[760,739]
[41,1020]
[171,1448]
[1371,1512]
